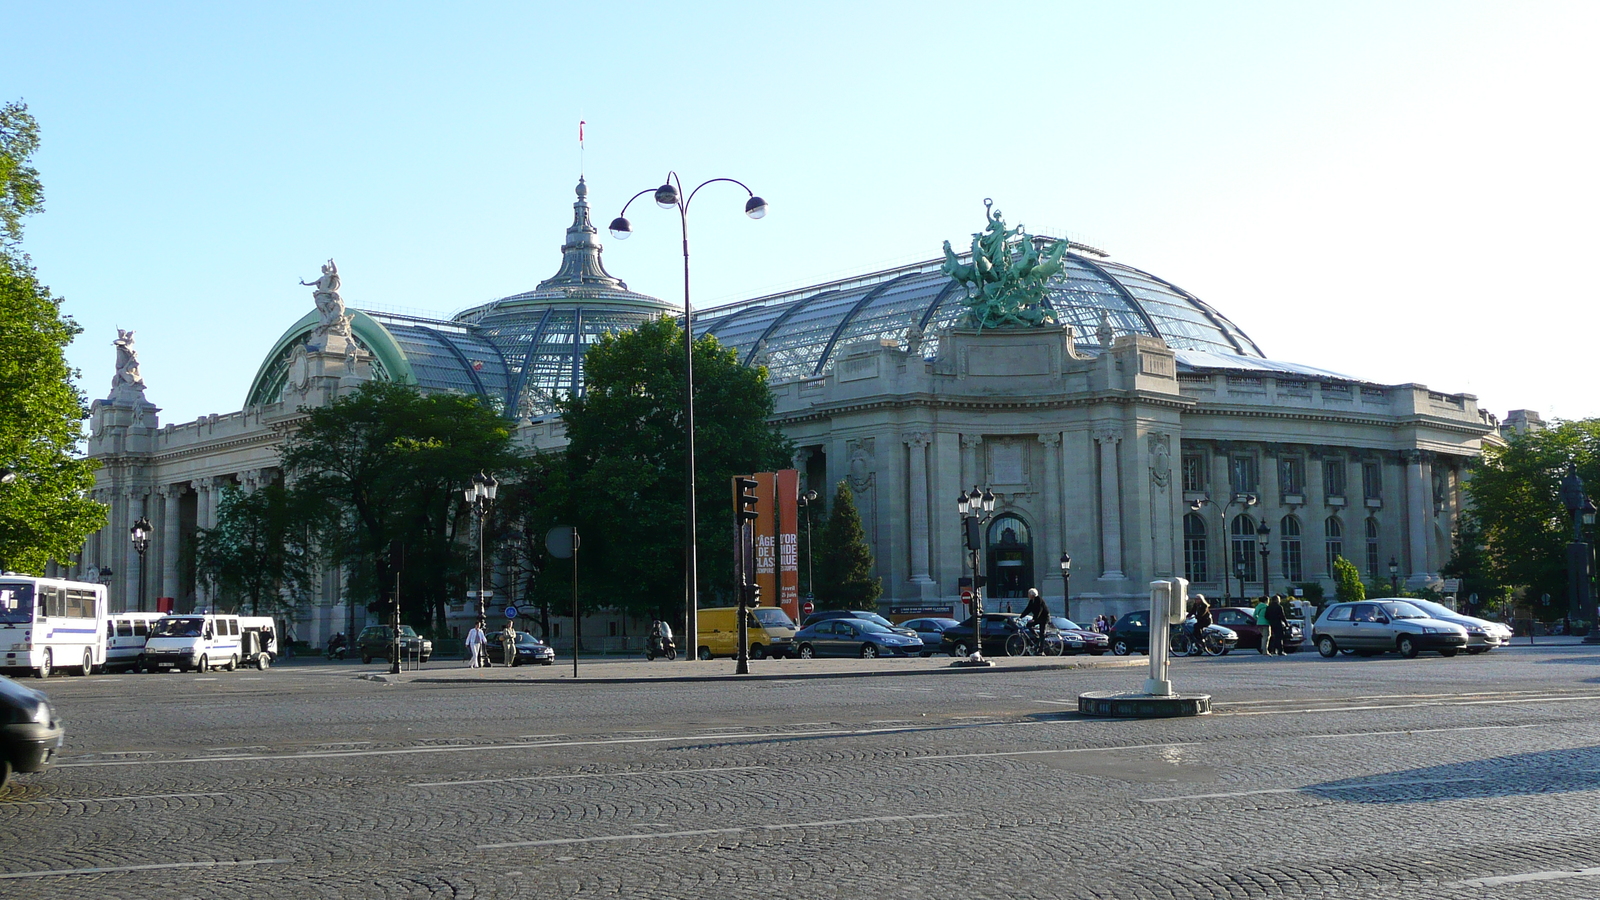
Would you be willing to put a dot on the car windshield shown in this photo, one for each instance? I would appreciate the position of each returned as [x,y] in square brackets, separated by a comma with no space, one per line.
[867,626]
[875,619]
[772,617]
[1433,609]
[180,627]
[525,638]
[16,603]
[1065,624]
[406,631]
[1402,611]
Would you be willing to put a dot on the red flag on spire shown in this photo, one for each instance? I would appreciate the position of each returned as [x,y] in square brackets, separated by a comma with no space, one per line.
[580,133]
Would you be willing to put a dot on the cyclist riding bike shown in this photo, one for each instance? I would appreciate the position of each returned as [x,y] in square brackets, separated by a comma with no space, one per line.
[1037,612]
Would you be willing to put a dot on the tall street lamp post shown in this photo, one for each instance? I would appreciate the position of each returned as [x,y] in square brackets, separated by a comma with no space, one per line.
[1262,534]
[670,196]
[1228,556]
[140,533]
[1394,577]
[975,508]
[480,496]
[806,499]
[1587,512]
[1066,585]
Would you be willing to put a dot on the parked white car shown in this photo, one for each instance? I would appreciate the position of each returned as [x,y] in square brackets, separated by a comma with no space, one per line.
[1482,634]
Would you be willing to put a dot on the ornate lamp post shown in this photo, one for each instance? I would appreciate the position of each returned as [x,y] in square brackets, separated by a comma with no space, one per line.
[1066,585]
[1264,547]
[670,196]
[1242,500]
[976,508]
[1394,577]
[480,496]
[140,533]
[806,499]
[1587,512]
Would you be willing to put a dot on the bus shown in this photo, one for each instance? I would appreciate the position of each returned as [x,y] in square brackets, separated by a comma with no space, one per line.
[48,624]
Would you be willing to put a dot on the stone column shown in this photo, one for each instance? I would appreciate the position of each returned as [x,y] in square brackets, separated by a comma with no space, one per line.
[171,535]
[1110,507]
[1054,525]
[202,504]
[1419,486]
[917,504]
[970,470]
[1313,521]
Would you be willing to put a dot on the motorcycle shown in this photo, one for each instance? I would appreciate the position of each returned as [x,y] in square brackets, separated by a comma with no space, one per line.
[337,647]
[1214,640]
[659,646]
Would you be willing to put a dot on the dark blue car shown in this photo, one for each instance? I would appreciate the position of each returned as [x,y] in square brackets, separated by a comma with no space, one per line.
[853,637]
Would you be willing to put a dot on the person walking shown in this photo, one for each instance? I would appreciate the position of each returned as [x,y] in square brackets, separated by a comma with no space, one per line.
[1261,623]
[508,640]
[1277,626]
[475,641]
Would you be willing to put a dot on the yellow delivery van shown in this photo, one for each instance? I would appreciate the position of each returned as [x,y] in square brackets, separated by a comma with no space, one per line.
[771,632]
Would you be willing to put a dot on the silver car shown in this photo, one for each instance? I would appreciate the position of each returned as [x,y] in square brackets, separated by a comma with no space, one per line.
[1482,634]
[1379,626]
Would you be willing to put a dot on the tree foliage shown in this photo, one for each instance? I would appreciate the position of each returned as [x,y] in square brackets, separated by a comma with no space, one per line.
[1347,584]
[844,576]
[1517,515]
[261,558]
[391,461]
[45,513]
[626,463]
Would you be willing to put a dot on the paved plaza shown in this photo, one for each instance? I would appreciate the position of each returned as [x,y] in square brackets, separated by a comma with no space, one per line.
[1473,777]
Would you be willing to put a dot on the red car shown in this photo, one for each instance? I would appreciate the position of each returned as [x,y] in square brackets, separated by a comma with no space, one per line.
[1242,619]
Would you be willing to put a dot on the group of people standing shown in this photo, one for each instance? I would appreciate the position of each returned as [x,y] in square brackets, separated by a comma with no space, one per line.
[1272,617]
[478,641]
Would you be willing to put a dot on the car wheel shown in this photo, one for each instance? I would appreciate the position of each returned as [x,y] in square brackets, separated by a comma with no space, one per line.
[961,649]
[758,652]
[1408,647]
[47,664]
[705,653]
[1448,651]
[233,663]
[869,651]
[263,660]
[88,662]
[142,664]
[807,652]
[366,660]
[1327,647]
[204,665]
[424,658]
[5,771]
[1119,647]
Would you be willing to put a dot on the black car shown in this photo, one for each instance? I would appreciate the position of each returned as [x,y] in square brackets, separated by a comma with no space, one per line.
[530,650]
[931,631]
[1131,633]
[377,641]
[30,734]
[997,629]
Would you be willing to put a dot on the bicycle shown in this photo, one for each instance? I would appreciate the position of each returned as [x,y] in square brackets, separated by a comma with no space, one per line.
[1027,642]
[1186,643]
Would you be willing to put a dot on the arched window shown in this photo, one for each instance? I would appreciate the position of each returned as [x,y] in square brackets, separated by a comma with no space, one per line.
[1334,531]
[1372,548]
[1289,535]
[1009,556]
[1244,549]
[1194,548]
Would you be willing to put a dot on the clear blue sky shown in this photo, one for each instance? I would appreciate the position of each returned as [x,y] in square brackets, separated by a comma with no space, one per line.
[1402,191]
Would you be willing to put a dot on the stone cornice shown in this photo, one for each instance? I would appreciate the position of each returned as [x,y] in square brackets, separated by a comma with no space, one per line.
[1344,419]
[1119,398]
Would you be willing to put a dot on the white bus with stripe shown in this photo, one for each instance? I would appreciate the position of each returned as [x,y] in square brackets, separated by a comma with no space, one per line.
[48,624]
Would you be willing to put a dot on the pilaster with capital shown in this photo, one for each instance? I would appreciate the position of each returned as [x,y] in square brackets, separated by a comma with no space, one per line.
[970,473]
[1110,506]
[1419,487]
[136,507]
[917,504]
[1050,450]
[171,520]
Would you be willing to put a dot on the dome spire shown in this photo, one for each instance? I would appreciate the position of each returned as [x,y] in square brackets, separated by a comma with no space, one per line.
[580,255]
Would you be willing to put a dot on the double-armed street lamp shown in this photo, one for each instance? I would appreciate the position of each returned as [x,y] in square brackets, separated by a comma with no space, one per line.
[670,195]
[140,534]
[1262,535]
[480,496]
[976,508]
[1242,500]
[1066,585]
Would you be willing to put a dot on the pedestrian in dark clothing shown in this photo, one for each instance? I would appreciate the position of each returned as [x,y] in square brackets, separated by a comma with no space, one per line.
[1277,626]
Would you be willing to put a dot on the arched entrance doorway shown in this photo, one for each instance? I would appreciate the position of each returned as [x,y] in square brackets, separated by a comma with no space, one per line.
[1010,560]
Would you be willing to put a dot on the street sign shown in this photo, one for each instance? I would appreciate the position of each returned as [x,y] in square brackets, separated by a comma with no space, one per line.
[561,541]
[473,595]
[807,608]
[1451,585]
[966,596]
[511,612]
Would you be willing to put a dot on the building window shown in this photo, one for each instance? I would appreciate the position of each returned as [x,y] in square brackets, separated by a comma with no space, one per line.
[1335,537]
[1194,548]
[1333,477]
[1371,481]
[1244,549]
[1244,475]
[1194,474]
[1292,476]
[1372,548]
[1289,533]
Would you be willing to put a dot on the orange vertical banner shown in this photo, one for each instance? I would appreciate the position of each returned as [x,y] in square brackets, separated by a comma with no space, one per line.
[766,538]
[788,531]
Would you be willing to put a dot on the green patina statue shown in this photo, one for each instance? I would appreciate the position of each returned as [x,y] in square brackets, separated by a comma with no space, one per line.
[1005,281]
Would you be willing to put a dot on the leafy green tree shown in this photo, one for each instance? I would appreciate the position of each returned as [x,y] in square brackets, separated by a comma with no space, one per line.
[534,498]
[45,512]
[844,577]
[626,463]
[1347,584]
[262,555]
[391,461]
[1522,525]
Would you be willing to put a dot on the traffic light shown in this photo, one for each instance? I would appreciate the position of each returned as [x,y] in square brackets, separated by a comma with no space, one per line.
[974,533]
[750,595]
[747,499]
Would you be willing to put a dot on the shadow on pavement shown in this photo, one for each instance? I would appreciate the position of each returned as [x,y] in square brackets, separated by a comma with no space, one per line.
[1543,772]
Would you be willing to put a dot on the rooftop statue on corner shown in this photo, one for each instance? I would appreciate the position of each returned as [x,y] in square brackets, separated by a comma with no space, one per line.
[1006,279]
[127,363]
[335,324]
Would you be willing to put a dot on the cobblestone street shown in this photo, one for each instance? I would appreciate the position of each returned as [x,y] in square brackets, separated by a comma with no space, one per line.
[1473,777]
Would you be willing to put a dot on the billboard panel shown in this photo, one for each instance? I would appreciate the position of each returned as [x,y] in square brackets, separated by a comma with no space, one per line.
[788,528]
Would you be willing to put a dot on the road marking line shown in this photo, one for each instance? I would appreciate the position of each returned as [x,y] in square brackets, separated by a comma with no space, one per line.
[115,799]
[588,775]
[705,831]
[1432,730]
[1434,705]
[206,679]
[1496,881]
[1296,790]
[101,870]
[1162,745]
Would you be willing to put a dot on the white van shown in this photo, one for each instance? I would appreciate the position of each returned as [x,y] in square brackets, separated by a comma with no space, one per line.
[125,637]
[199,641]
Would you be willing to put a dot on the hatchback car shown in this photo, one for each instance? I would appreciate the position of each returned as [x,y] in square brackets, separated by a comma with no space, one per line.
[377,641]
[931,631]
[1482,634]
[30,735]
[1242,619]
[1131,633]
[853,637]
[1379,626]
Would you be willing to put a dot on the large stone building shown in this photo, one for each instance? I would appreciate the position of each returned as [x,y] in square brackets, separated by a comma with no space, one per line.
[1144,434]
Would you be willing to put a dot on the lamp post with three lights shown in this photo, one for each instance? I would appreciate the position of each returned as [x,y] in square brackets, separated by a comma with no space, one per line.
[480,496]
[1066,585]
[140,534]
[976,508]
[670,195]
[1264,547]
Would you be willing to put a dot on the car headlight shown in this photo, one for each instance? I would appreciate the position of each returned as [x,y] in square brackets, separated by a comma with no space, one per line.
[42,713]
